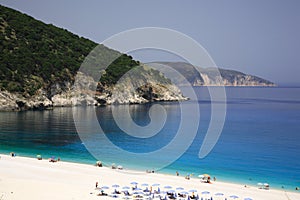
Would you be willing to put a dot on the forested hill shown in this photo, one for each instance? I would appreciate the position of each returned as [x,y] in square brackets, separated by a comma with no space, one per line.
[35,55]
[39,63]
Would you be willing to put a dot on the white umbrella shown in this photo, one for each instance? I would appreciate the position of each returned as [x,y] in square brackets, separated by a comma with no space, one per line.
[113,166]
[104,187]
[266,186]
[155,184]
[115,186]
[260,185]
[179,188]
[120,167]
[219,194]
[171,191]
[205,192]
[234,197]
[183,192]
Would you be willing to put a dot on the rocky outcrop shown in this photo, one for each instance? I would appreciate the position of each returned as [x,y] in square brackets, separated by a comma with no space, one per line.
[8,101]
[236,80]
[131,89]
[16,102]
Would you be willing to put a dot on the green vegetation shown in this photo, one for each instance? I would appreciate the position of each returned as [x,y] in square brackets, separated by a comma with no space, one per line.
[35,54]
[117,68]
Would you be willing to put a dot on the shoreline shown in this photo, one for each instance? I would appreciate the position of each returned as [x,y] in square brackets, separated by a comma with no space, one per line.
[29,178]
[171,172]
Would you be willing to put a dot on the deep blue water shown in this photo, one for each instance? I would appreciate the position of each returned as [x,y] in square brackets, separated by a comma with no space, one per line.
[260,140]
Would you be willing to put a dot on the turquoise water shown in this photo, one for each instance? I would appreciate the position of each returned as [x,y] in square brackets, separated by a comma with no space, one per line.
[260,141]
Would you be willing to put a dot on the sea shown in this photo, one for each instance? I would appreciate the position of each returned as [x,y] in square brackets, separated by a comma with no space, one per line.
[259,139]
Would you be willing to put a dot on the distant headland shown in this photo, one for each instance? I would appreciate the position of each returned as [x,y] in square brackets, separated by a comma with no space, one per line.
[208,77]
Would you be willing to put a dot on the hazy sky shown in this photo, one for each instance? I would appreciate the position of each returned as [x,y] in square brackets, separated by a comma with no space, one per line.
[260,37]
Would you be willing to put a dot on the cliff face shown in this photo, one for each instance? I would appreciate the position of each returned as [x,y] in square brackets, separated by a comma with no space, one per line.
[16,102]
[87,92]
[209,77]
[238,80]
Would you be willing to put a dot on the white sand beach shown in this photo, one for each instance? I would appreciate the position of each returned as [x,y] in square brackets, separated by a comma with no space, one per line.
[28,178]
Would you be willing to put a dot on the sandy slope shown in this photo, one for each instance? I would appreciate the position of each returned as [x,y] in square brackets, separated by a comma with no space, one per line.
[27,178]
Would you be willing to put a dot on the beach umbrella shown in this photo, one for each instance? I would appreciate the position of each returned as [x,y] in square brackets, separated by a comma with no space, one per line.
[125,188]
[136,192]
[192,190]
[247,198]
[99,163]
[233,197]
[104,187]
[219,194]
[120,167]
[205,192]
[145,185]
[168,187]
[266,184]
[133,183]
[171,191]
[183,192]
[260,185]
[201,176]
[115,186]
[113,166]
[180,188]
[155,184]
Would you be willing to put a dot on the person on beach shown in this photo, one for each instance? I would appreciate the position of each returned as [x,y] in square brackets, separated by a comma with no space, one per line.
[208,179]
[52,159]
[96,184]
[177,174]
[12,154]
[187,177]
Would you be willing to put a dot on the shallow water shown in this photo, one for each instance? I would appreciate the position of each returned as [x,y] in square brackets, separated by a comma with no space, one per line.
[260,141]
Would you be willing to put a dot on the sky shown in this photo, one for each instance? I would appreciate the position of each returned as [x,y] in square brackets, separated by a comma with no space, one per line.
[258,37]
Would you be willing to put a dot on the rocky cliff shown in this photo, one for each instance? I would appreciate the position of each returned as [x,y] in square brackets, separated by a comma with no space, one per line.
[131,89]
[211,77]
